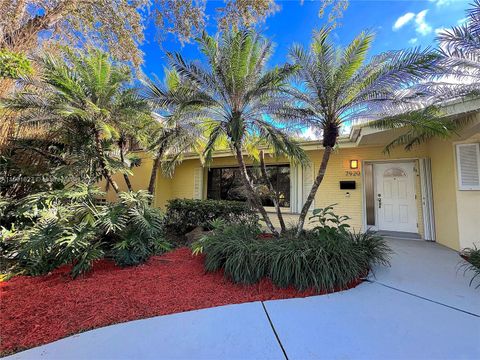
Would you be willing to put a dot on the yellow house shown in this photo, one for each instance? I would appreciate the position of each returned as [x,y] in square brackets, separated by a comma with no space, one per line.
[431,192]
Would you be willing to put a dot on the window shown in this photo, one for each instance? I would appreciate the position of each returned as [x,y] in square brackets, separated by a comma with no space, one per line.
[468,166]
[226,184]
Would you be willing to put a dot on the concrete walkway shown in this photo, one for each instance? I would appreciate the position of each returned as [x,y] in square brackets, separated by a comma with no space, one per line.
[421,308]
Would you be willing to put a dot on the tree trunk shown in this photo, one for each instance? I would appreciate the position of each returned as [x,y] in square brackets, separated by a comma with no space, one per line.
[122,159]
[263,169]
[153,175]
[251,192]
[101,158]
[25,37]
[313,191]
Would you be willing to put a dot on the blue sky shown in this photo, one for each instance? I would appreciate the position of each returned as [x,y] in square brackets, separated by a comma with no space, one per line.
[397,24]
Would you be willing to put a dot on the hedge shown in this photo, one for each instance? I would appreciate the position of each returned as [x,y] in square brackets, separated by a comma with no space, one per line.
[183,215]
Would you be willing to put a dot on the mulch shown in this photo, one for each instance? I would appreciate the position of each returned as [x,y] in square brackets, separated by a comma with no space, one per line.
[39,310]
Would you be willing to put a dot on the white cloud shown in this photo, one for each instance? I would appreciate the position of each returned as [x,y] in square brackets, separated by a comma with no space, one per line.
[403,20]
[413,41]
[442,2]
[421,26]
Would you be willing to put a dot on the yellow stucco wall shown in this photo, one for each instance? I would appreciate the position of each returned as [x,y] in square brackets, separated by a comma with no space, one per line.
[468,209]
[182,184]
[456,212]
[441,153]
[330,193]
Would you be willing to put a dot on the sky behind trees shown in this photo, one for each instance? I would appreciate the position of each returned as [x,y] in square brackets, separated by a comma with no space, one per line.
[397,23]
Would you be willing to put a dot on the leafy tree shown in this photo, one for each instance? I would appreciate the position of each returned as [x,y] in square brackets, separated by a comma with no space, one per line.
[338,86]
[115,24]
[236,93]
[81,103]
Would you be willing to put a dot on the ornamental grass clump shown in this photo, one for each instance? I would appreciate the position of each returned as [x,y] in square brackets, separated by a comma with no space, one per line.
[322,259]
[472,256]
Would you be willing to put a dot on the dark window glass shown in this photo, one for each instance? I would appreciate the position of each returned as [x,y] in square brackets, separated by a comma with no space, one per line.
[226,184]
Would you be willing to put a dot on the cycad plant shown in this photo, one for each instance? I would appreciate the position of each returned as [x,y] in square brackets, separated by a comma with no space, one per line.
[238,96]
[80,101]
[338,86]
[173,134]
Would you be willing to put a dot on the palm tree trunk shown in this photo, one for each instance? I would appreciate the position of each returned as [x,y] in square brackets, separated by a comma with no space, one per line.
[122,159]
[153,175]
[101,158]
[251,192]
[313,191]
[263,169]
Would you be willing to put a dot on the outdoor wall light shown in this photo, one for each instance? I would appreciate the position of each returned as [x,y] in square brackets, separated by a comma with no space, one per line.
[353,164]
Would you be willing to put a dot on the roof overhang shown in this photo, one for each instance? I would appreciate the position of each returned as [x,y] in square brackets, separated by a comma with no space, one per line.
[455,109]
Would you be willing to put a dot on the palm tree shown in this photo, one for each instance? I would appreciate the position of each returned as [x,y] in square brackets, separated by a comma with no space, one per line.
[82,101]
[337,86]
[460,64]
[239,96]
[173,134]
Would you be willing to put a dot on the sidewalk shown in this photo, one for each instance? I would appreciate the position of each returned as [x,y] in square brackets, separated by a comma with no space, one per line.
[421,308]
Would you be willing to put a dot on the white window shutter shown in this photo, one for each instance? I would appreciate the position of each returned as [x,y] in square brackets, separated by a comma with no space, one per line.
[468,166]
[308,176]
[198,183]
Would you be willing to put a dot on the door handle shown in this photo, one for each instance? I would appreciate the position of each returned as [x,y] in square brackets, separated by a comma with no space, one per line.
[379,198]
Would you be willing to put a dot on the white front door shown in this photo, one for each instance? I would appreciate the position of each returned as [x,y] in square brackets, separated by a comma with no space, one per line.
[396,208]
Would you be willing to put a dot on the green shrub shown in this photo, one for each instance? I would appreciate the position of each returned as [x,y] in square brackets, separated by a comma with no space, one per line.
[69,227]
[183,215]
[319,259]
[136,229]
[329,222]
[60,231]
[472,255]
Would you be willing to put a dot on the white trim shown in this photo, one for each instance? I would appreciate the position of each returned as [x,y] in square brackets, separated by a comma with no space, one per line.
[198,183]
[458,167]
[427,199]
[363,202]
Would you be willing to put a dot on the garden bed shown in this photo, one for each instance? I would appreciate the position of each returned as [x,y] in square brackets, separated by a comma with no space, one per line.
[39,310]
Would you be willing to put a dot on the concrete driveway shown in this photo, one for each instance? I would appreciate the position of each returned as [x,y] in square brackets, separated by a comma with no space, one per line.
[421,308]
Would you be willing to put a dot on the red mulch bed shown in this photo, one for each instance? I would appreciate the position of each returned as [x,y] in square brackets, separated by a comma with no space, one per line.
[39,310]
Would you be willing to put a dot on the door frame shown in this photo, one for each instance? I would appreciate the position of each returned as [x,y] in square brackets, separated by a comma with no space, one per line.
[413,222]
[426,189]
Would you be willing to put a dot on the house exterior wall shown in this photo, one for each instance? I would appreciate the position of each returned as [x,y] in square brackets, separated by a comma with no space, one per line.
[468,208]
[182,184]
[457,213]
[444,185]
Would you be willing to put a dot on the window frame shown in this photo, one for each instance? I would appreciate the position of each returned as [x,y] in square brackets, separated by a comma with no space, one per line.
[462,187]
[287,165]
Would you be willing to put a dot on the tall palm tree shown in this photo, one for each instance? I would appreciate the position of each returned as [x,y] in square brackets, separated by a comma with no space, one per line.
[337,86]
[240,96]
[173,134]
[82,101]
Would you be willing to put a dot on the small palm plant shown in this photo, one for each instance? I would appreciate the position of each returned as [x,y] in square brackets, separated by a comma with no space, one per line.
[81,101]
[338,87]
[237,96]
